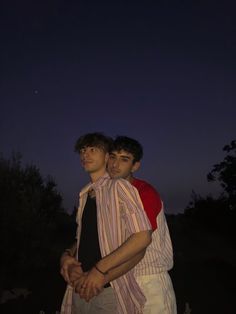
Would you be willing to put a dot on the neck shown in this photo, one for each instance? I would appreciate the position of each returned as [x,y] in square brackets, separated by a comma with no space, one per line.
[130,178]
[96,175]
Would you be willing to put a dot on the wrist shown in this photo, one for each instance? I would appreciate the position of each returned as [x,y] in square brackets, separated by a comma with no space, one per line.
[104,273]
[66,255]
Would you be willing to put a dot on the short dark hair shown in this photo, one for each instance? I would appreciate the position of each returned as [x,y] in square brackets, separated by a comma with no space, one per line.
[130,145]
[96,139]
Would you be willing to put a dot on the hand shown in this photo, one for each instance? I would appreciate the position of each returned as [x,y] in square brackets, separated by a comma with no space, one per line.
[74,272]
[70,269]
[91,284]
[80,288]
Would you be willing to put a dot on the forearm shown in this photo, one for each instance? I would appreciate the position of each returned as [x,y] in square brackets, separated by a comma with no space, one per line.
[125,267]
[100,280]
[112,275]
[128,250]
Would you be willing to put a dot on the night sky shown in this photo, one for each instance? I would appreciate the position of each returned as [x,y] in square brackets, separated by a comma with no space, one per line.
[163,72]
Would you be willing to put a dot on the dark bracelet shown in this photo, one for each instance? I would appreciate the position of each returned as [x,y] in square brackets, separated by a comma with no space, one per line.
[101,272]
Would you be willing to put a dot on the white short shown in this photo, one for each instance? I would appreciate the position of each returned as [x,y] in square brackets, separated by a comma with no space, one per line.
[104,303]
[159,292]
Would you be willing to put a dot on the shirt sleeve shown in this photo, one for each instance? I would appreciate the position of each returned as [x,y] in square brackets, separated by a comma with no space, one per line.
[131,207]
[152,204]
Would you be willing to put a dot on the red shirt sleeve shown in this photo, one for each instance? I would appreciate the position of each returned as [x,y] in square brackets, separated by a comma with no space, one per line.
[151,203]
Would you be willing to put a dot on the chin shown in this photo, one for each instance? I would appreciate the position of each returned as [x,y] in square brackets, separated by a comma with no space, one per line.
[117,176]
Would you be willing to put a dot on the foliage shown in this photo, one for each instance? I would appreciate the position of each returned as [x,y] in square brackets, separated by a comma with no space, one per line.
[214,215]
[218,214]
[32,219]
[225,173]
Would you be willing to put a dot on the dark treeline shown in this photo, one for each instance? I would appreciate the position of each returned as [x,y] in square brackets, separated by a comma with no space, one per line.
[203,238]
[35,229]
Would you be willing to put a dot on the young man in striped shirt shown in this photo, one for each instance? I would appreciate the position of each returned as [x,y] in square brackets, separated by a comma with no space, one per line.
[112,235]
[152,271]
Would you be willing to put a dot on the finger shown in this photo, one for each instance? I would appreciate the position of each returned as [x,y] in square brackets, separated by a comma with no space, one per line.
[89,293]
[77,284]
[80,286]
[82,293]
[64,275]
[95,291]
[88,298]
[74,277]
[75,271]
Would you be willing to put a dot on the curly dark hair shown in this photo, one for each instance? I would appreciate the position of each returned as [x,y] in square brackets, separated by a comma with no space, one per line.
[95,139]
[129,145]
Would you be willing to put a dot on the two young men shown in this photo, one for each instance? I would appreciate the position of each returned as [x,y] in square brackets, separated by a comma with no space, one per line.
[114,234]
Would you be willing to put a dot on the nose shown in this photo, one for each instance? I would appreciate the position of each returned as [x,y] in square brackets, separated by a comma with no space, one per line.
[115,164]
[84,153]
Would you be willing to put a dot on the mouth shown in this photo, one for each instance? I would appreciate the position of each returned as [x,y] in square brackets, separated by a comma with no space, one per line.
[114,172]
[86,162]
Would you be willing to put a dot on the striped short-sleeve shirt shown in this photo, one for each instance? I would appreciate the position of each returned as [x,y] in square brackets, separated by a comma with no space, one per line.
[120,213]
[159,254]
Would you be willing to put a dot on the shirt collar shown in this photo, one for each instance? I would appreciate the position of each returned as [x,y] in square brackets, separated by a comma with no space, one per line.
[95,185]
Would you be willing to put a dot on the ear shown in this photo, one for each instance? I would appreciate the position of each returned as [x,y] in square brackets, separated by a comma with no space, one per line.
[136,166]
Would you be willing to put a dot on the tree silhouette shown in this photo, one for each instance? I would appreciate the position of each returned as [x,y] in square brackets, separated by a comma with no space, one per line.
[33,223]
[225,173]
[218,214]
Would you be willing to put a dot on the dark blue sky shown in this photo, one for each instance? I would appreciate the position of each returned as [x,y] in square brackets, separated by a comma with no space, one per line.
[163,72]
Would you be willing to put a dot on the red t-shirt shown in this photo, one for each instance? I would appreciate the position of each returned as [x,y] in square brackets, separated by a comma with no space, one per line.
[150,198]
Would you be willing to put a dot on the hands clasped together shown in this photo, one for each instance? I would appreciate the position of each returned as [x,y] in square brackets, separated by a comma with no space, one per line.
[86,284]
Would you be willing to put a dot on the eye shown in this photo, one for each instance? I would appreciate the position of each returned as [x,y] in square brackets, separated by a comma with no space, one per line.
[125,160]
[93,149]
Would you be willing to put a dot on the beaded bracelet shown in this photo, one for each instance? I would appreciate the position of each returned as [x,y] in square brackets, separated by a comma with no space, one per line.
[101,272]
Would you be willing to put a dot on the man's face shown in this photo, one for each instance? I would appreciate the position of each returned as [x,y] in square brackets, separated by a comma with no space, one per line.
[93,159]
[121,164]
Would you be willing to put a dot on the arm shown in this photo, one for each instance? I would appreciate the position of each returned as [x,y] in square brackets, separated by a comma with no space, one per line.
[126,256]
[133,216]
[125,267]
[112,275]
[135,244]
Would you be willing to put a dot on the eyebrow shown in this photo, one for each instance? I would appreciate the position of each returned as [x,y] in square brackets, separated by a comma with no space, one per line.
[123,156]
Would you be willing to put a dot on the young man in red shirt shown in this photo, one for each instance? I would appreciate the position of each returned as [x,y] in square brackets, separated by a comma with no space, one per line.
[151,272]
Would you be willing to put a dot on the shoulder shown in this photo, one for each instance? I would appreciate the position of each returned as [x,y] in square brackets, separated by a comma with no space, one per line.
[119,183]
[145,188]
[123,189]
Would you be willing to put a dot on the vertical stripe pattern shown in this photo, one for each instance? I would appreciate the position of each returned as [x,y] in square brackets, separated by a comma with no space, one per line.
[159,254]
[119,214]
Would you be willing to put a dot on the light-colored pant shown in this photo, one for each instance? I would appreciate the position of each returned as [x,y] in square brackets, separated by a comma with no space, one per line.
[104,303]
[159,292]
